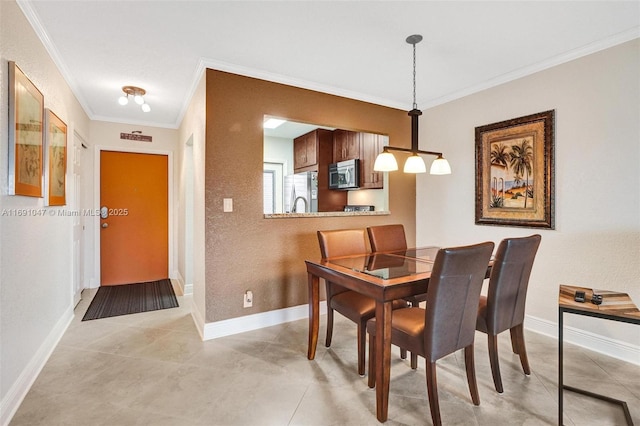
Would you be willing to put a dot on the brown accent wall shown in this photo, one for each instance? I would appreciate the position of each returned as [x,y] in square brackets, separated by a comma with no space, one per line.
[245,251]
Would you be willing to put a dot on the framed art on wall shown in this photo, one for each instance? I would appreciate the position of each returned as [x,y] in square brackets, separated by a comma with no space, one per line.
[514,172]
[26,111]
[55,159]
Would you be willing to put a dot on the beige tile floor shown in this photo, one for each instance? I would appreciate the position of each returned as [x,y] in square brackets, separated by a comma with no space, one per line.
[153,369]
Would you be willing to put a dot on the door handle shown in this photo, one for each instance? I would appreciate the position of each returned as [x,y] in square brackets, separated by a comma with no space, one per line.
[105,225]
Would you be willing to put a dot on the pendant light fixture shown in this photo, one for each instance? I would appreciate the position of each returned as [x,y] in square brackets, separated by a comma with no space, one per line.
[138,97]
[386,162]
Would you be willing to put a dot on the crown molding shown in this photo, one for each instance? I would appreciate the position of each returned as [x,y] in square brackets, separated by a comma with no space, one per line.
[623,37]
[42,34]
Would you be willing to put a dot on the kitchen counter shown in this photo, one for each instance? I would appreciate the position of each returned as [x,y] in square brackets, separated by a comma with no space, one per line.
[323,214]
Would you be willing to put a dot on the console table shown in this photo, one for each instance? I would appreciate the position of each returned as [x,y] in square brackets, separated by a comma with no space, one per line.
[615,306]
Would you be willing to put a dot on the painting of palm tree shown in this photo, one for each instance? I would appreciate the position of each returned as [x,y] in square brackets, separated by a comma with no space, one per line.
[499,167]
[510,161]
[521,162]
[514,172]
[499,154]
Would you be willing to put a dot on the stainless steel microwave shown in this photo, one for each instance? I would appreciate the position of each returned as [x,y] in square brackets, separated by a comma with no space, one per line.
[344,175]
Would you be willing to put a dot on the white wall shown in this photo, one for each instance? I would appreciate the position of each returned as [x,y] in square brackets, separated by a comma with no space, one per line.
[371,197]
[279,150]
[192,130]
[106,136]
[596,242]
[36,302]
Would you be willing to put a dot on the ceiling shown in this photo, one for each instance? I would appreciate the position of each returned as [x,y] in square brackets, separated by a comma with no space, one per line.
[355,49]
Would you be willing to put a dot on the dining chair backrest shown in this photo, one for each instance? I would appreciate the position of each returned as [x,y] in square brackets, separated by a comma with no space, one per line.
[342,242]
[509,281]
[387,237]
[453,296]
[351,304]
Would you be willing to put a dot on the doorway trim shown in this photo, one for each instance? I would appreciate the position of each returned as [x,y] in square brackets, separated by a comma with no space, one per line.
[79,262]
[96,203]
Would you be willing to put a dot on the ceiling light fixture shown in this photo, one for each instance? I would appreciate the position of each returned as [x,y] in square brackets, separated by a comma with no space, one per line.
[138,97]
[272,123]
[386,162]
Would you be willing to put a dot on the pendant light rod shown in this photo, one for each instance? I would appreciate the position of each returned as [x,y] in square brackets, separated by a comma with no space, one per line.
[413,40]
[415,112]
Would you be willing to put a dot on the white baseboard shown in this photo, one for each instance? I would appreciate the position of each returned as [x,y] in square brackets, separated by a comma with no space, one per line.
[177,277]
[19,389]
[93,283]
[232,326]
[198,319]
[594,342]
[597,343]
[187,288]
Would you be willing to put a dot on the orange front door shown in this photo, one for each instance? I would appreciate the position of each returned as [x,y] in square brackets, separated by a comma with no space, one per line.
[134,225]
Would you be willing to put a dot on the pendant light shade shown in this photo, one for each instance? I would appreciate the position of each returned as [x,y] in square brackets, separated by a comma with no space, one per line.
[440,166]
[415,164]
[386,162]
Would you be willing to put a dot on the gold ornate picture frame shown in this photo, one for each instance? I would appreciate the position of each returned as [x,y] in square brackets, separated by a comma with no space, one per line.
[26,113]
[514,172]
[55,159]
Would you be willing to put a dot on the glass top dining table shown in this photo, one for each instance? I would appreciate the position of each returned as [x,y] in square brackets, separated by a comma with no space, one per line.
[395,264]
[383,276]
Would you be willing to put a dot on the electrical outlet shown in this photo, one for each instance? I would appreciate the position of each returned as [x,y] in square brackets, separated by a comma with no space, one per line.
[248,299]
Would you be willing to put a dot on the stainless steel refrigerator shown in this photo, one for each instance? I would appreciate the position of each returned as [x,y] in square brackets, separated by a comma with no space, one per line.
[301,192]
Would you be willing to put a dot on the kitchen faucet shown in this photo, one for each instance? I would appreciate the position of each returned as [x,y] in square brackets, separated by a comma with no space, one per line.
[294,208]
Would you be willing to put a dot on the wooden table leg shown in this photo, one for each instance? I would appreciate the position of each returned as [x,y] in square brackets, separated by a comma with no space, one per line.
[383,358]
[314,314]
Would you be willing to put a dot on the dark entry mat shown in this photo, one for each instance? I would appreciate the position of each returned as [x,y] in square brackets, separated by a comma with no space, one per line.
[115,300]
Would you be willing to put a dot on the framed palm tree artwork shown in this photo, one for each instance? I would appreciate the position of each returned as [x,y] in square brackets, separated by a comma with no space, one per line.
[515,172]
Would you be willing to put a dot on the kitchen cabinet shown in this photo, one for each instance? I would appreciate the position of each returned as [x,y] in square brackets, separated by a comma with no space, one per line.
[313,152]
[346,145]
[370,146]
[305,151]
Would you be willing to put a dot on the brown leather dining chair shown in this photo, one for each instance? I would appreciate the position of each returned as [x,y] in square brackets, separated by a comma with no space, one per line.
[355,306]
[391,238]
[448,322]
[503,307]
[387,237]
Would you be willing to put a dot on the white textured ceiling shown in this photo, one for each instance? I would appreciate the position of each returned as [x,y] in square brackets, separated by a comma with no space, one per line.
[350,48]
